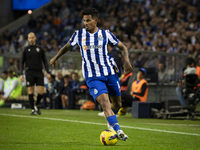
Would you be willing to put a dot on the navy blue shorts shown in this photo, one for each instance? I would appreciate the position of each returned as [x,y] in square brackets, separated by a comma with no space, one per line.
[104,84]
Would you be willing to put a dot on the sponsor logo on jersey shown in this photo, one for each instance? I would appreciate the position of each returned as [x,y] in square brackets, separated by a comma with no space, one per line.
[91,47]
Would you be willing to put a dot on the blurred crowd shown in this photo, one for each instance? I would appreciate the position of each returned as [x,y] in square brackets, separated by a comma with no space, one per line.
[171,26]
[64,91]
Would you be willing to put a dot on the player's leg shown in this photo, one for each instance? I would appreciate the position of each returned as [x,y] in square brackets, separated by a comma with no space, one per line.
[98,89]
[31,99]
[39,80]
[104,101]
[40,90]
[116,103]
[30,82]
[115,96]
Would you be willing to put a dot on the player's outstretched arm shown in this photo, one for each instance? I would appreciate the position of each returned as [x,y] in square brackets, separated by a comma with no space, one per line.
[62,51]
[127,64]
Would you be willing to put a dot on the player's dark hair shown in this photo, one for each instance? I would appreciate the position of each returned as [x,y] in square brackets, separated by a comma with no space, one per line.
[91,11]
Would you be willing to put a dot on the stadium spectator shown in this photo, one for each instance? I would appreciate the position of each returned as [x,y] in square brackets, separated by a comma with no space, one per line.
[148,22]
[59,90]
[75,86]
[33,57]
[31,22]
[163,76]
[100,74]
[51,92]
[134,60]
[12,88]
[4,75]
[66,92]
[139,92]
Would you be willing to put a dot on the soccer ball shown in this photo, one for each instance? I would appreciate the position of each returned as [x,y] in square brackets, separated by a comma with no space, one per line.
[108,137]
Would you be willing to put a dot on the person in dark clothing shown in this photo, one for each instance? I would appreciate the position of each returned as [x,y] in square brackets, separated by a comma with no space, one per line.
[33,57]
[139,92]
[66,92]
[75,86]
[59,89]
[51,92]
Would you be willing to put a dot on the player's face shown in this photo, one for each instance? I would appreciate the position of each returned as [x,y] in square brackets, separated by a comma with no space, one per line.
[32,38]
[90,23]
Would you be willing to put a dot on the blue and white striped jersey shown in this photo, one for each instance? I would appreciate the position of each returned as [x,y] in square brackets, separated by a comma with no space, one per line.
[96,61]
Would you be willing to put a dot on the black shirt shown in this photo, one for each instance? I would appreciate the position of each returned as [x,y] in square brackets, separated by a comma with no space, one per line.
[32,57]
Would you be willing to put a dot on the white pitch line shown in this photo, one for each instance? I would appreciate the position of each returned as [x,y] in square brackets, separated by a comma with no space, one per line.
[85,122]
[164,124]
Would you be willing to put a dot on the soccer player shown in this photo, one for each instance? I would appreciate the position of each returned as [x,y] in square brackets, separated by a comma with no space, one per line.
[32,57]
[98,67]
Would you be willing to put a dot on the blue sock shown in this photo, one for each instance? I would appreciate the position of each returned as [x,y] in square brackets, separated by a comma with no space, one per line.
[112,120]
[115,111]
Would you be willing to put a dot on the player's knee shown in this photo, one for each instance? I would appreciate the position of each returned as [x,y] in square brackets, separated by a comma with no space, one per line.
[41,92]
[30,91]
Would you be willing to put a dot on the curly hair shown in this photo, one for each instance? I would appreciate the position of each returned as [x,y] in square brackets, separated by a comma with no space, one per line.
[91,11]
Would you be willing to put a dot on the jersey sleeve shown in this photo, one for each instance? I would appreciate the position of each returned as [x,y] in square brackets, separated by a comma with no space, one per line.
[112,38]
[74,39]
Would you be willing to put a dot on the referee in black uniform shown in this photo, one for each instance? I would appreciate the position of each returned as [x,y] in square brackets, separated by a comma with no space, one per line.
[33,57]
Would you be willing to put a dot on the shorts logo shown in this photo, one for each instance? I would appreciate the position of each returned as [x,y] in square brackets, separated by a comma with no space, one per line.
[29,50]
[100,38]
[27,83]
[37,49]
[95,91]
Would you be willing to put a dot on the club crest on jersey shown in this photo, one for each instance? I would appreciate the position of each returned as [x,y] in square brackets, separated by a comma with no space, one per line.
[100,38]
[37,49]
[95,91]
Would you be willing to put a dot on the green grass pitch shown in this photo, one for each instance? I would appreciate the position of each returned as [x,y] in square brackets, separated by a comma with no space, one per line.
[80,129]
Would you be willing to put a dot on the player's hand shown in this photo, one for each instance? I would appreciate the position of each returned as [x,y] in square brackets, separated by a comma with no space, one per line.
[53,62]
[22,78]
[127,66]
